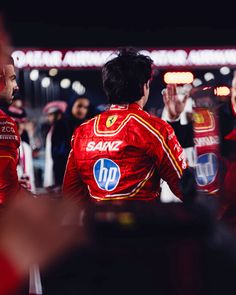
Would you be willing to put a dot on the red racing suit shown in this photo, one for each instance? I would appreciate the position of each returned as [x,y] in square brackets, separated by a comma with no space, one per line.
[9,144]
[122,154]
[10,278]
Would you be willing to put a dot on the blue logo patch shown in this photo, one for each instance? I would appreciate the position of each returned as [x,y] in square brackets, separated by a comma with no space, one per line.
[206,169]
[107,174]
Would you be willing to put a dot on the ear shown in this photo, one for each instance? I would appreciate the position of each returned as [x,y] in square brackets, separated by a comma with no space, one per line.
[148,84]
[146,87]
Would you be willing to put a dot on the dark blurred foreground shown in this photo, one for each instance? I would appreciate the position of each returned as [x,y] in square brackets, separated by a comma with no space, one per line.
[148,248]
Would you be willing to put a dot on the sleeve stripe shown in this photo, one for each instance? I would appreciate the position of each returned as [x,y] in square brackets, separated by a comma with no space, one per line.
[167,150]
[9,157]
[131,194]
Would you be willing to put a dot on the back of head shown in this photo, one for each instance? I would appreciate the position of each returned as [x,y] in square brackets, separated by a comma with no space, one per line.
[124,76]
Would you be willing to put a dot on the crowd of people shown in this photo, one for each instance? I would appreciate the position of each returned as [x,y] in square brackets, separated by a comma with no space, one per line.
[47,140]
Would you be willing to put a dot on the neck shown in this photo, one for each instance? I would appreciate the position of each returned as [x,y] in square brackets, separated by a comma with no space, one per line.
[141,102]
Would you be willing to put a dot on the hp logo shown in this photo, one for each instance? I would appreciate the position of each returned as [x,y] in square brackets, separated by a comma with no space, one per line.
[107,174]
[206,169]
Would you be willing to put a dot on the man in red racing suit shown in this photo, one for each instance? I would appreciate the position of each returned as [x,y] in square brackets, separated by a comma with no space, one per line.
[9,137]
[124,152]
[9,144]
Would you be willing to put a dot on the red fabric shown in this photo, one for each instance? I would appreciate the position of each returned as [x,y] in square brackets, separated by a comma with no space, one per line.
[142,149]
[206,140]
[231,135]
[9,144]
[10,280]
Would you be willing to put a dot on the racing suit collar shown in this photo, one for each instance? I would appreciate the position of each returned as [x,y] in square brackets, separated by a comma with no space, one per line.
[125,106]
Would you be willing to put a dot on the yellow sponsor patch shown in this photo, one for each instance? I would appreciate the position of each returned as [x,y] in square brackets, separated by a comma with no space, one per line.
[198,118]
[111,120]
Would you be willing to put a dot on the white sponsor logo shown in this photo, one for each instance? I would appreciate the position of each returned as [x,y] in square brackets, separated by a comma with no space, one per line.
[206,141]
[206,168]
[119,107]
[8,129]
[103,146]
[172,135]
[9,137]
[6,123]
[177,147]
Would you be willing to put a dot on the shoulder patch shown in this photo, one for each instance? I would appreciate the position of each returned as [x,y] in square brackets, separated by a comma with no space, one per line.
[8,131]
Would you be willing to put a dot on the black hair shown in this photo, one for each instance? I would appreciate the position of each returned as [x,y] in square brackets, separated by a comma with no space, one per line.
[72,101]
[124,76]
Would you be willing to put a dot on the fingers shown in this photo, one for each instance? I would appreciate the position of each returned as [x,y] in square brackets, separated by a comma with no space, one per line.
[165,96]
[172,92]
[174,89]
[169,91]
[185,98]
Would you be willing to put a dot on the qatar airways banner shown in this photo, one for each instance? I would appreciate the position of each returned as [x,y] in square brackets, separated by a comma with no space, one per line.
[95,58]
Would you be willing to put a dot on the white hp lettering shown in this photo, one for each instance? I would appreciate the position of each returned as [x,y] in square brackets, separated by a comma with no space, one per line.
[107,175]
[205,170]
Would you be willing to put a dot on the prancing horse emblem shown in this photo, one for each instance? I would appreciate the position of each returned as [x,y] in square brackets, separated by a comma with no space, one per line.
[111,120]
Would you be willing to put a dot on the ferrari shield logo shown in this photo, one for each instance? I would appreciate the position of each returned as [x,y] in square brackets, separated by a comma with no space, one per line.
[198,118]
[111,120]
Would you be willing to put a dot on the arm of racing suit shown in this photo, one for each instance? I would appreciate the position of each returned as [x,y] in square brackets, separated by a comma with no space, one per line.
[10,278]
[170,159]
[73,185]
[9,185]
[9,144]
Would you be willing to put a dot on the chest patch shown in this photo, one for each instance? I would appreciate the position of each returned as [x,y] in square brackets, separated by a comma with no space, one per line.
[111,120]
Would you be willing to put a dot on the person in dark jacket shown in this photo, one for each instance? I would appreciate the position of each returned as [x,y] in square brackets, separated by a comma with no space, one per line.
[77,112]
[57,144]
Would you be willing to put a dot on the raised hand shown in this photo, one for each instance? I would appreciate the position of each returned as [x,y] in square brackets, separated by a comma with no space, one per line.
[174,105]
